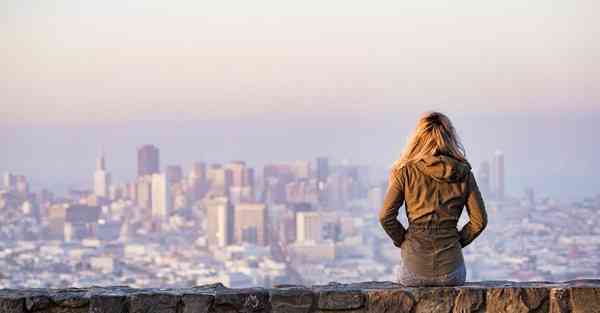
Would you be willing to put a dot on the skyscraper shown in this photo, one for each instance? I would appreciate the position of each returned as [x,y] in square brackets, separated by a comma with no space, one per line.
[9,181]
[148,160]
[308,227]
[161,197]
[322,176]
[197,181]
[174,174]
[101,178]
[498,175]
[238,169]
[483,178]
[251,223]
[220,219]
[322,169]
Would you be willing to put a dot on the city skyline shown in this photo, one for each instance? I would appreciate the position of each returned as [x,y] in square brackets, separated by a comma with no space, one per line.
[241,225]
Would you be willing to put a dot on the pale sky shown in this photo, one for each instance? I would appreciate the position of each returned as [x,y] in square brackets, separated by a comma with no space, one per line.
[120,60]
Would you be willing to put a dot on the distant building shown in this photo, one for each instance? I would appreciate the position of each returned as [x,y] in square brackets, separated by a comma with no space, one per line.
[238,170]
[144,195]
[220,179]
[174,174]
[322,169]
[251,223]
[220,219]
[72,222]
[101,179]
[301,169]
[161,198]
[22,186]
[9,181]
[308,227]
[483,179]
[498,175]
[197,182]
[322,174]
[375,197]
[148,160]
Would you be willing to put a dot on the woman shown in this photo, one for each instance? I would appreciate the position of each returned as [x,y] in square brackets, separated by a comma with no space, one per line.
[434,181]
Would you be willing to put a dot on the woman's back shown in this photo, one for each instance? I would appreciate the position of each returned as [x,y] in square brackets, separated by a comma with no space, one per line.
[435,188]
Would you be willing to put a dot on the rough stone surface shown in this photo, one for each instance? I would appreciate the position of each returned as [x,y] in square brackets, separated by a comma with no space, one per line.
[196,303]
[581,296]
[389,301]
[241,300]
[335,296]
[291,300]
[585,300]
[469,300]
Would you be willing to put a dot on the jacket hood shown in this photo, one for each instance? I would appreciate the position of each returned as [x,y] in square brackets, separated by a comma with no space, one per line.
[444,168]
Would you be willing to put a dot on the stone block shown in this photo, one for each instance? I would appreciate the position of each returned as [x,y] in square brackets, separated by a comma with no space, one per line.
[291,300]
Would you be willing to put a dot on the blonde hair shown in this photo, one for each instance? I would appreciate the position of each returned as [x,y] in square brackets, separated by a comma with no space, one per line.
[433,135]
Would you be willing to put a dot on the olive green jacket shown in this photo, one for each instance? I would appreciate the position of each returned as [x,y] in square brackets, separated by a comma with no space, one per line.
[434,191]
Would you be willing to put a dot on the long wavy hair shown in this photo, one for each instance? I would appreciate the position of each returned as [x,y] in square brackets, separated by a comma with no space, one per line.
[433,135]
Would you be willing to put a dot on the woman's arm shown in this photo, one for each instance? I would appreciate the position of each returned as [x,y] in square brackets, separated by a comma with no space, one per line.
[394,198]
[477,214]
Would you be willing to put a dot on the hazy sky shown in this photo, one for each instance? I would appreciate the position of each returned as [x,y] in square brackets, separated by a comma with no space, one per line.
[82,61]
[268,80]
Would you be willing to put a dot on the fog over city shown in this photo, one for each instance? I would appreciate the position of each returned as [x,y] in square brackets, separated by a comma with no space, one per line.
[294,111]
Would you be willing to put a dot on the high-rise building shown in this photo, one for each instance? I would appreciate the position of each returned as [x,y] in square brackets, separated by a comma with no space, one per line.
[22,185]
[9,181]
[308,227]
[238,169]
[220,179]
[161,197]
[144,195]
[375,197]
[251,223]
[148,160]
[498,175]
[322,174]
[101,178]
[301,169]
[220,219]
[197,182]
[174,174]
[322,169]
[483,178]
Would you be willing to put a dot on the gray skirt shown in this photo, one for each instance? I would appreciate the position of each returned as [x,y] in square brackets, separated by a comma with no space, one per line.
[454,278]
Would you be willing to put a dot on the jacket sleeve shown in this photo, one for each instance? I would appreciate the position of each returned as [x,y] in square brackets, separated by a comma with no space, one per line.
[394,198]
[477,214]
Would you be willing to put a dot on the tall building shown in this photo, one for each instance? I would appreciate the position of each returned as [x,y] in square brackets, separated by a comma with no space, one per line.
[9,181]
[483,178]
[197,182]
[251,223]
[148,160]
[498,175]
[322,169]
[238,169]
[375,197]
[301,169]
[308,227]
[144,196]
[101,178]
[174,174]
[161,197]
[322,174]
[220,219]
[22,185]
[220,179]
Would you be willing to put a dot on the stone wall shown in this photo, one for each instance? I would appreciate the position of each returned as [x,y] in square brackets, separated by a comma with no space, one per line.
[376,297]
